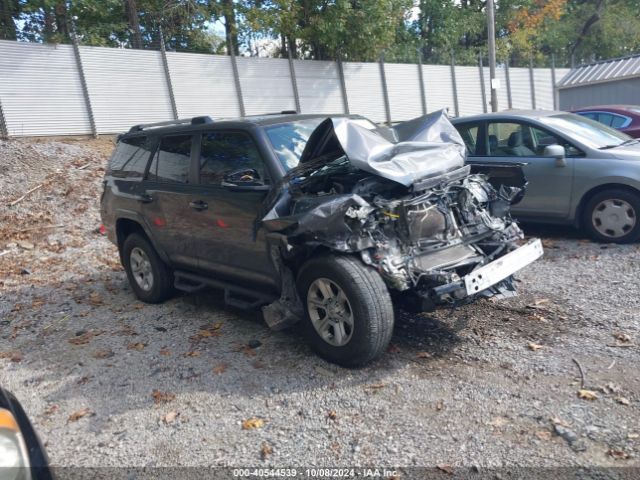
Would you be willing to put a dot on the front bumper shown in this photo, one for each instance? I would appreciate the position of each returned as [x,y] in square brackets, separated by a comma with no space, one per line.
[492,274]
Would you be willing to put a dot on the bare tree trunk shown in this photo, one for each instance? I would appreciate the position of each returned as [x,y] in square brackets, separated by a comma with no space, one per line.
[230,26]
[591,21]
[62,20]
[131,9]
[48,24]
[8,8]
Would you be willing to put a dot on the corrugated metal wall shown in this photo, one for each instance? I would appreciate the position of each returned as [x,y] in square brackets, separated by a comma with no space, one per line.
[126,87]
[403,85]
[203,85]
[364,90]
[266,85]
[40,90]
[626,91]
[318,87]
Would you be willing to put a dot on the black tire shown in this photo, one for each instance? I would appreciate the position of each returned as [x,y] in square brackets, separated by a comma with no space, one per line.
[369,302]
[161,285]
[622,198]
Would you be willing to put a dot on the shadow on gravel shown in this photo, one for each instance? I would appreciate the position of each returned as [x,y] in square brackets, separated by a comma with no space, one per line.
[552,231]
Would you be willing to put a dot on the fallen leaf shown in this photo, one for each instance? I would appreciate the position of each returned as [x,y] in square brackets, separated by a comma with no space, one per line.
[83,338]
[83,380]
[252,423]
[16,357]
[423,355]
[587,394]
[103,354]
[170,417]
[618,454]
[265,450]
[446,468]
[248,351]
[633,436]
[75,416]
[534,346]
[165,352]
[375,386]
[439,405]
[51,409]
[543,435]
[139,346]
[623,401]
[95,299]
[257,364]
[332,415]
[559,421]
[162,397]
[192,353]
[138,306]
[622,337]
[128,330]
[220,369]
[498,422]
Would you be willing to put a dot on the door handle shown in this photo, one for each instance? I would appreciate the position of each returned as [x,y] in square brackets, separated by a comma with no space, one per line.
[145,198]
[198,205]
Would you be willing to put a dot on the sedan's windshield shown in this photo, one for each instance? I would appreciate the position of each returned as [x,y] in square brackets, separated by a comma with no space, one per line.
[587,131]
[289,139]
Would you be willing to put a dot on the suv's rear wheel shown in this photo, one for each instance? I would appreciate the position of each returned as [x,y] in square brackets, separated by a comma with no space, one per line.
[149,277]
[349,314]
[612,216]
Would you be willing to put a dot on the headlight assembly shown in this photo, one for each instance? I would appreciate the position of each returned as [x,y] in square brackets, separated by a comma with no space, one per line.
[14,460]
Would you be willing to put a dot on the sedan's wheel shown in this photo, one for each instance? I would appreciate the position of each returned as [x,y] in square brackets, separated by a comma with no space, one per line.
[330,312]
[349,315]
[150,279]
[612,216]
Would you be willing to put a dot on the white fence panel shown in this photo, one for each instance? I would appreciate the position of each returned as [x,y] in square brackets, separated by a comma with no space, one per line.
[318,86]
[520,88]
[126,87]
[364,90]
[544,88]
[266,85]
[40,90]
[438,87]
[203,85]
[403,85]
[469,90]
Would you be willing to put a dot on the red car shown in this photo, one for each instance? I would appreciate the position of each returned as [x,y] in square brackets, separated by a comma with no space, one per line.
[625,118]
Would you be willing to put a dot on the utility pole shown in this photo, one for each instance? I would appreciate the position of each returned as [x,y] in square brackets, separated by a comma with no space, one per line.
[491,34]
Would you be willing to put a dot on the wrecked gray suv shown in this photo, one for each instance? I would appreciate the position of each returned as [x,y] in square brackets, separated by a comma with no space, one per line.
[324,221]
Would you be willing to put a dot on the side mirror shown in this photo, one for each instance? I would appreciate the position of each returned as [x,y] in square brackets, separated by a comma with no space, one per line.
[557,152]
[246,179]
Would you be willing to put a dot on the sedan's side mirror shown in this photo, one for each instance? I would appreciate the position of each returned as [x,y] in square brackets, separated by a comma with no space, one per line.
[557,152]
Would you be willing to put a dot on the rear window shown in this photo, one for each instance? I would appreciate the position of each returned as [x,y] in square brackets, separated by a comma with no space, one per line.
[171,163]
[131,157]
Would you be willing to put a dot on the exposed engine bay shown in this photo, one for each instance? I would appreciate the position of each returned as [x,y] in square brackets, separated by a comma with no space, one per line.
[409,207]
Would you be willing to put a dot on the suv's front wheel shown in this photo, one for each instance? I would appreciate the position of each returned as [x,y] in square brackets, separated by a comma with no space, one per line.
[349,314]
[149,277]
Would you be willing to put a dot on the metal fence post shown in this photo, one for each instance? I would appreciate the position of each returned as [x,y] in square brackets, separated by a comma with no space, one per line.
[83,82]
[482,86]
[508,78]
[532,83]
[294,83]
[343,87]
[4,131]
[167,75]
[236,80]
[385,92]
[454,84]
[554,90]
[423,94]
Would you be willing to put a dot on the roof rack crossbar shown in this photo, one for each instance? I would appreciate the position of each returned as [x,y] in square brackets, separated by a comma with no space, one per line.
[183,121]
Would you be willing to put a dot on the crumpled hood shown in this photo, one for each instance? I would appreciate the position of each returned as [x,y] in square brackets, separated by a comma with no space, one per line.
[426,146]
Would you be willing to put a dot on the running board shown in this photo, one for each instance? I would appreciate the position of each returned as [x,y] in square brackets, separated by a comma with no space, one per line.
[234,295]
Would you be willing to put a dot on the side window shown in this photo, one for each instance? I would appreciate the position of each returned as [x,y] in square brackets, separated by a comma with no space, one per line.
[230,157]
[506,139]
[605,118]
[130,157]
[469,133]
[619,121]
[591,115]
[542,138]
[171,162]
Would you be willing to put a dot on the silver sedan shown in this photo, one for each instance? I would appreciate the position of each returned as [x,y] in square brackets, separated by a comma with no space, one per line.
[580,172]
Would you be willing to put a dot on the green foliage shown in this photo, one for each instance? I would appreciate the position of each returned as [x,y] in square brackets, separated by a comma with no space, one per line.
[358,30]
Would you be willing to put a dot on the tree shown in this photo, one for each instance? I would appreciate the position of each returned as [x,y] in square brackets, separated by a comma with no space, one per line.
[9,9]
[134,23]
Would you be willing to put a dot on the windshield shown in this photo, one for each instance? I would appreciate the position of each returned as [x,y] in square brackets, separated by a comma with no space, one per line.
[587,131]
[289,139]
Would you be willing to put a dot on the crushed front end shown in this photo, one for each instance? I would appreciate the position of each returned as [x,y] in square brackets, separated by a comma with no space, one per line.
[437,233]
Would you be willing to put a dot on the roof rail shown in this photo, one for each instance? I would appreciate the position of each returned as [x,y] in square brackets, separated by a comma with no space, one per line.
[184,121]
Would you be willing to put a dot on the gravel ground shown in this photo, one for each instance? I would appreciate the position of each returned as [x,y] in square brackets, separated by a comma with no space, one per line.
[108,381]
